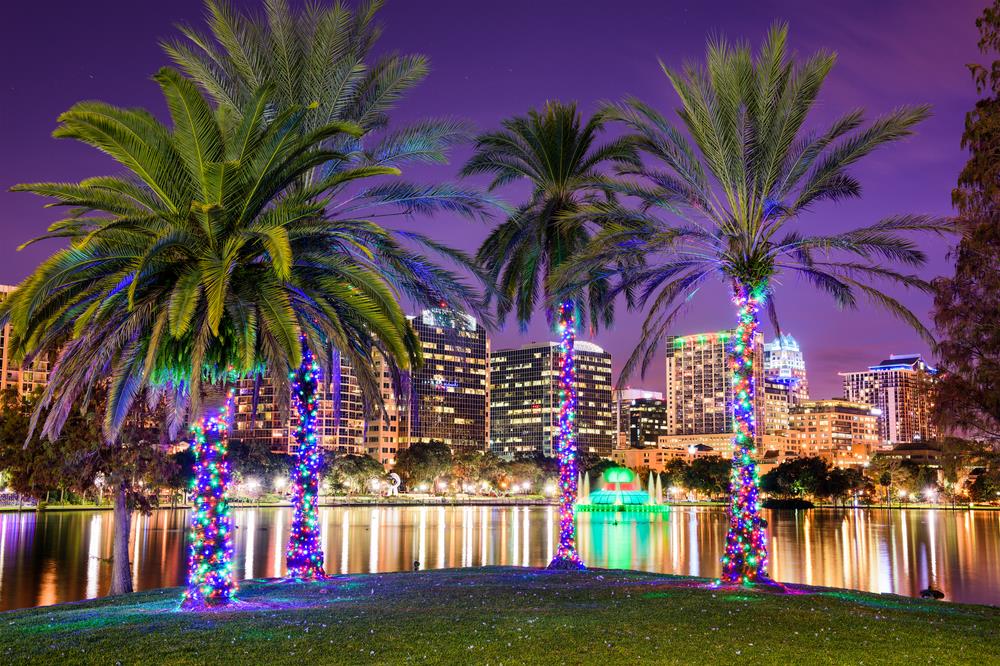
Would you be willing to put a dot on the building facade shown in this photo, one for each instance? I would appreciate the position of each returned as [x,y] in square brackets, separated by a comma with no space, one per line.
[842,432]
[699,393]
[902,388]
[524,400]
[447,399]
[24,380]
[623,401]
[785,364]
[386,433]
[340,423]
[647,421]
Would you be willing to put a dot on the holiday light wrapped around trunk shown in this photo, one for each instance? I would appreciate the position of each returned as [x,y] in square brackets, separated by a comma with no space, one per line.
[745,559]
[210,557]
[566,556]
[304,554]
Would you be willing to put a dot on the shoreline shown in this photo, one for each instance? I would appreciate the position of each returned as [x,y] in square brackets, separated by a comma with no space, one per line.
[484,501]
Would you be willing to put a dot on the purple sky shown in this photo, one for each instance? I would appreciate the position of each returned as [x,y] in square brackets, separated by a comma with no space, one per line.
[494,59]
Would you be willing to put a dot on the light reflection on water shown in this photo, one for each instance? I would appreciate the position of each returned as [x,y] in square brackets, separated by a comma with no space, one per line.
[64,556]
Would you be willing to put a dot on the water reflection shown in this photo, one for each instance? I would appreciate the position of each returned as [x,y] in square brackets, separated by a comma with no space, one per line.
[64,556]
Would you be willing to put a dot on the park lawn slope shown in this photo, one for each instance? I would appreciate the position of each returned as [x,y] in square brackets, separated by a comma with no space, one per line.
[505,615]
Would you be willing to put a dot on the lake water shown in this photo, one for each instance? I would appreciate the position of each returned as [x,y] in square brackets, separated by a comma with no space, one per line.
[63,556]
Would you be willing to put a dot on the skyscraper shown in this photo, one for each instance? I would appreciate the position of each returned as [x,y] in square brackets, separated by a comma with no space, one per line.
[777,403]
[784,363]
[24,380]
[340,423]
[699,393]
[524,400]
[902,388]
[647,421]
[622,400]
[448,398]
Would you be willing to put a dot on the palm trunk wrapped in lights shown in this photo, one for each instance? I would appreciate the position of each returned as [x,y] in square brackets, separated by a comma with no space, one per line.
[566,556]
[210,558]
[745,559]
[304,554]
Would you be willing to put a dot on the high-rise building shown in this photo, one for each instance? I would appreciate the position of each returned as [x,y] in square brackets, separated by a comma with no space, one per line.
[699,393]
[902,388]
[340,423]
[777,403]
[647,421]
[386,433]
[448,397]
[622,401]
[24,380]
[524,400]
[842,432]
[784,363]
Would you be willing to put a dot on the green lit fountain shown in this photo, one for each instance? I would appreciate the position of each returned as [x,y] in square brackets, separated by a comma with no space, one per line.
[621,493]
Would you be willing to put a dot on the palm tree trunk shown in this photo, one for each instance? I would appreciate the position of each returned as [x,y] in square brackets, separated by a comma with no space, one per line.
[210,557]
[566,556]
[745,559]
[121,572]
[304,554]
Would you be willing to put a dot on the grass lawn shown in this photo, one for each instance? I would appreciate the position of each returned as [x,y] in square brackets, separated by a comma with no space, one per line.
[504,615]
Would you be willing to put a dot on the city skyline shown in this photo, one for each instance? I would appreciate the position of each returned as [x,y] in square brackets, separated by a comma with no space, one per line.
[483,87]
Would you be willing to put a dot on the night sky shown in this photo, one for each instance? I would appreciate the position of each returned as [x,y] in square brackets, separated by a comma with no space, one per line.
[494,59]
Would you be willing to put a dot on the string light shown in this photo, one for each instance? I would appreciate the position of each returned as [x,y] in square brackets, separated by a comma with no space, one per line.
[745,559]
[304,554]
[566,556]
[210,557]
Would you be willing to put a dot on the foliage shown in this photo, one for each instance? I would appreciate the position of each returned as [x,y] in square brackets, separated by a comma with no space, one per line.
[352,474]
[557,154]
[254,459]
[708,475]
[78,460]
[208,259]
[798,477]
[673,473]
[471,466]
[723,203]
[324,59]
[986,487]
[423,463]
[813,477]
[966,305]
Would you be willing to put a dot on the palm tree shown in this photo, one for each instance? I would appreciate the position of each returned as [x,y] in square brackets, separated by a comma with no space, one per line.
[208,260]
[730,194]
[321,58]
[558,155]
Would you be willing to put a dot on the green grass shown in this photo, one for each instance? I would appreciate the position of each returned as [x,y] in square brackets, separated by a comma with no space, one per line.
[502,615]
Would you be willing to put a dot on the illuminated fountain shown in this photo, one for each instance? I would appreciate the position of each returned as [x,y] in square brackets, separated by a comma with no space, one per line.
[621,493]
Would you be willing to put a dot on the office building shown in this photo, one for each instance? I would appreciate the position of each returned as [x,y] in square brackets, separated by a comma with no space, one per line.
[902,388]
[447,399]
[699,393]
[647,421]
[524,400]
[785,364]
[842,432]
[653,411]
[778,400]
